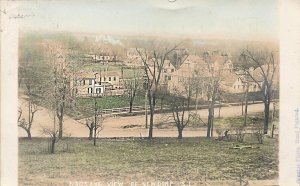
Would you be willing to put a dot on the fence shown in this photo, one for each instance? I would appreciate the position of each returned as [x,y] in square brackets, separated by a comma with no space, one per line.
[124,110]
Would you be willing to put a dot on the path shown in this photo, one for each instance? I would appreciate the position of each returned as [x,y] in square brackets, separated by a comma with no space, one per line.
[113,126]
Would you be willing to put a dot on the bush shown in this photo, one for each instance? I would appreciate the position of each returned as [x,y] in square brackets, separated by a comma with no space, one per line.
[240,134]
[258,132]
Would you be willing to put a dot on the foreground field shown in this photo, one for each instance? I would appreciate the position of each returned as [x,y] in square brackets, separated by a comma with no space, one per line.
[128,160]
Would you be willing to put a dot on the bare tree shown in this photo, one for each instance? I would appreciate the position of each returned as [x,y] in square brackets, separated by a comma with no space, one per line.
[246,80]
[212,81]
[178,56]
[89,123]
[93,123]
[59,94]
[198,86]
[26,125]
[32,108]
[132,85]
[52,132]
[180,106]
[243,70]
[263,75]
[153,62]
[246,102]
[98,121]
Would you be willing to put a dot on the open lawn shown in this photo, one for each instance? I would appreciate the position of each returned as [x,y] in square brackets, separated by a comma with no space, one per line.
[111,102]
[164,159]
[128,72]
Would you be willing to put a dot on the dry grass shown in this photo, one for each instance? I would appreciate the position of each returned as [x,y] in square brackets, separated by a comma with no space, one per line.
[141,160]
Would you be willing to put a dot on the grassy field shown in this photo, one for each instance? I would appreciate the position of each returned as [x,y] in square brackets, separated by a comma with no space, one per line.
[108,102]
[238,121]
[98,67]
[141,160]
[111,102]
[127,73]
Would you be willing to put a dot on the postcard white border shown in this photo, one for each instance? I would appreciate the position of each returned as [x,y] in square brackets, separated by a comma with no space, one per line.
[289,94]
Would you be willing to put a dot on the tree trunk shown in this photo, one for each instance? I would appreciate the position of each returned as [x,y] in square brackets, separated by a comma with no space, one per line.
[208,135]
[60,120]
[273,128]
[152,106]
[91,133]
[146,109]
[151,123]
[28,133]
[273,118]
[246,106]
[130,106]
[212,121]
[95,136]
[53,145]
[60,131]
[180,132]
[266,119]
[208,127]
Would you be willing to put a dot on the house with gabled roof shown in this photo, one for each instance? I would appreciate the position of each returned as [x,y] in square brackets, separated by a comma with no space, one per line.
[245,80]
[97,84]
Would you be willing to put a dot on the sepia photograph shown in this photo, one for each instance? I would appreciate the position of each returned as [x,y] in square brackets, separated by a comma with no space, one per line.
[147,93]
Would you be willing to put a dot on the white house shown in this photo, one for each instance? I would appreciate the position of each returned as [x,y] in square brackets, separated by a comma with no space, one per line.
[97,84]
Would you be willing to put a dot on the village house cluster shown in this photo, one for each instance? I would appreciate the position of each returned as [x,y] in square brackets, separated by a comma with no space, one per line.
[107,83]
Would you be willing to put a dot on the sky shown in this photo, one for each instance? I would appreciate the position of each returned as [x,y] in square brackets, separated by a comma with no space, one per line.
[225,19]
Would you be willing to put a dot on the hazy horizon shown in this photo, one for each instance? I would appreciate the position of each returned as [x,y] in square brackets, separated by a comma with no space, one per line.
[224,20]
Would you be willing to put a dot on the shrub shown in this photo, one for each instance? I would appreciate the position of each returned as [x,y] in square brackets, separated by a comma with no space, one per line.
[240,134]
[258,132]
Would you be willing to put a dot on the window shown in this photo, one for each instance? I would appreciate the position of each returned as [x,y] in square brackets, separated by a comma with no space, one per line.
[115,78]
[90,90]
[104,79]
[172,70]
[169,77]
[165,70]
[234,86]
[83,82]
[109,79]
[90,81]
[98,90]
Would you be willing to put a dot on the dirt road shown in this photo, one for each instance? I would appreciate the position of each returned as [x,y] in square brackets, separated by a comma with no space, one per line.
[113,126]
